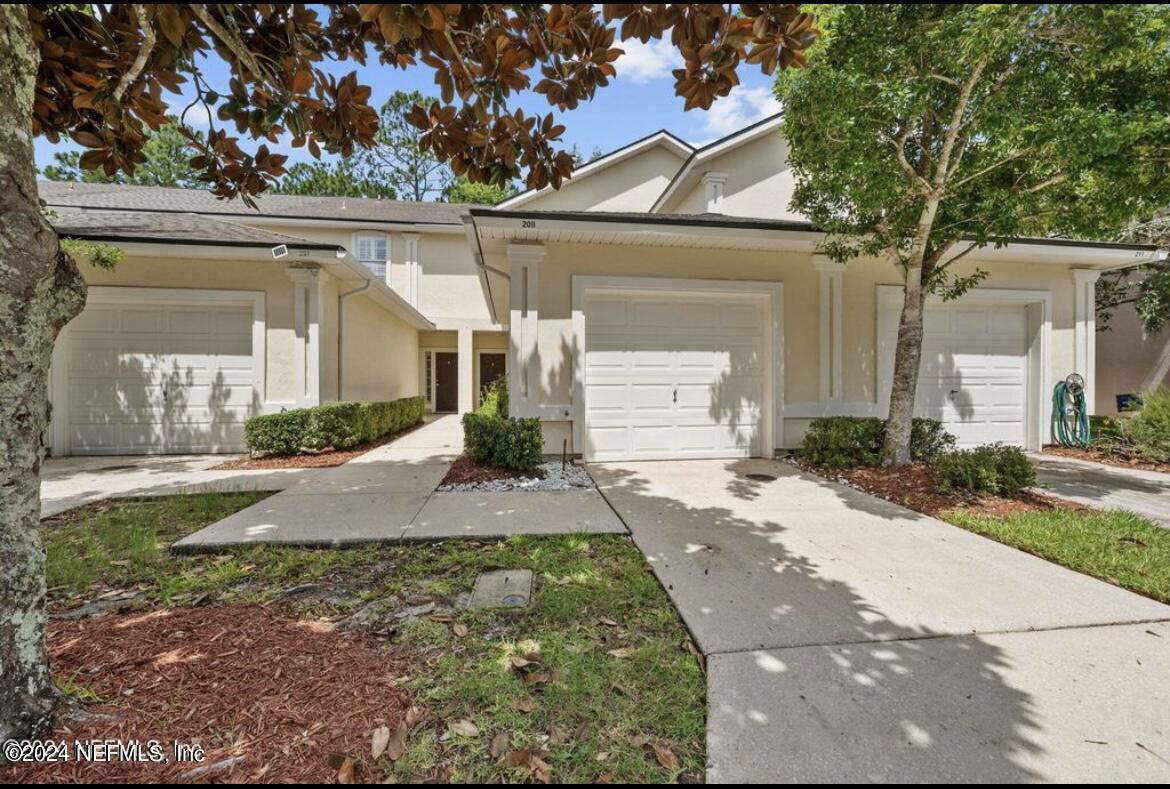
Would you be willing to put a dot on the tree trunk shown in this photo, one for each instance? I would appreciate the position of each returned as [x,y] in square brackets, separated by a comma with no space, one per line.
[907,358]
[40,290]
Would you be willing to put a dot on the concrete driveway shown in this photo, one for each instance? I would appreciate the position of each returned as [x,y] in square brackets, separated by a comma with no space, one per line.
[1106,487]
[849,639]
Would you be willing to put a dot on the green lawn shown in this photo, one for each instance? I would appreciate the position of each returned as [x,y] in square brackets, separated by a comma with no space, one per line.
[586,712]
[1113,545]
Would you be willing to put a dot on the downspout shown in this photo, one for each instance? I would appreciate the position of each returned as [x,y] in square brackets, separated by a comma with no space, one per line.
[341,297]
[485,268]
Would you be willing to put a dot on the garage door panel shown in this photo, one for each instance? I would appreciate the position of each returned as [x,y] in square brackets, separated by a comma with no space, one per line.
[673,376]
[160,379]
[974,370]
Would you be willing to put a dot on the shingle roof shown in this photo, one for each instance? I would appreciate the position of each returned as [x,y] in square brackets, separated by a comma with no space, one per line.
[168,228]
[122,197]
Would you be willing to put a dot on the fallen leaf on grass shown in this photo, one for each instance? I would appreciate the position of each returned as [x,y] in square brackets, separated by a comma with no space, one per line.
[665,756]
[623,652]
[465,728]
[459,629]
[523,705]
[524,661]
[499,745]
[396,746]
[528,760]
[345,772]
[379,741]
[536,679]
[608,622]
[689,646]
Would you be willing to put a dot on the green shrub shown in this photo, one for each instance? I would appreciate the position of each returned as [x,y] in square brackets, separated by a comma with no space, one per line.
[993,468]
[491,436]
[847,441]
[1148,431]
[278,434]
[493,400]
[331,425]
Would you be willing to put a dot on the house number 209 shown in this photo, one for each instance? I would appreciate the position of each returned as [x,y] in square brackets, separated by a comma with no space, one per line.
[527,223]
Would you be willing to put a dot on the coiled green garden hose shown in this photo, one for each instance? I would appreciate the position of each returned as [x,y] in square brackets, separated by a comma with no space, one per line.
[1070,413]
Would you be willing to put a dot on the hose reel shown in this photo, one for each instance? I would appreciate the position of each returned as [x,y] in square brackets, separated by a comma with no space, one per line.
[1070,413]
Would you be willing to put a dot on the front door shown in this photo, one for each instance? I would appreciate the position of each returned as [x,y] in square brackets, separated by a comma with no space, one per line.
[492,367]
[446,382]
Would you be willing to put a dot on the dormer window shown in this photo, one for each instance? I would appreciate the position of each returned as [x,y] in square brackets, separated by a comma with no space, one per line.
[373,252]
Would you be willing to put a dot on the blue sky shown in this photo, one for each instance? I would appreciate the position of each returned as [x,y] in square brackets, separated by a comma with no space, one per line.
[640,101]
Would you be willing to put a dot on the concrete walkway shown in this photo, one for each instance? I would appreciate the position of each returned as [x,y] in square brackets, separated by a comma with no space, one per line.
[849,639]
[1106,487]
[388,495]
[71,482]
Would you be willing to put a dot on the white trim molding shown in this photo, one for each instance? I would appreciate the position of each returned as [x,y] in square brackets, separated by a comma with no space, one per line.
[831,276]
[308,348]
[412,268]
[523,329]
[772,292]
[119,295]
[714,187]
[1037,427]
[1085,330]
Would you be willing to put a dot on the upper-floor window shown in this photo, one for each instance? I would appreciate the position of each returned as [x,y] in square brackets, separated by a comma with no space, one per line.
[373,251]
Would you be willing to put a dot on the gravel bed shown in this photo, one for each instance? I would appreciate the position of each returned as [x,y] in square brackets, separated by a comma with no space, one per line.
[573,476]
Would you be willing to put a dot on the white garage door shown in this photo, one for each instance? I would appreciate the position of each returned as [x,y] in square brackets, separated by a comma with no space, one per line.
[974,373]
[670,377]
[150,379]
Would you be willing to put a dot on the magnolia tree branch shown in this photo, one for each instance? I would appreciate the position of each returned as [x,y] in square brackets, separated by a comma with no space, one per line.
[143,56]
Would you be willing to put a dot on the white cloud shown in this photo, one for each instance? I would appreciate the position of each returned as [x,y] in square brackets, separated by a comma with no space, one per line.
[644,62]
[196,115]
[742,107]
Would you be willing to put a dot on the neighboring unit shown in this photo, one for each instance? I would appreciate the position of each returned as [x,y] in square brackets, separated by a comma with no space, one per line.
[664,303]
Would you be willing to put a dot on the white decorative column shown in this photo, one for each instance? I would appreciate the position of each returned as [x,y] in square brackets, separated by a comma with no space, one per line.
[714,185]
[523,325]
[1085,333]
[466,363]
[410,290]
[307,284]
[831,280]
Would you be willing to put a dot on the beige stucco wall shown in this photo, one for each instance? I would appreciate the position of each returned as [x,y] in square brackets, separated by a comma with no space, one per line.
[632,184]
[801,320]
[759,182]
[380,353]
[1129,359]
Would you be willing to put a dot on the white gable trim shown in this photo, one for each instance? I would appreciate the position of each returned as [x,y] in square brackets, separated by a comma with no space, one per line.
[713,150]
[602,163]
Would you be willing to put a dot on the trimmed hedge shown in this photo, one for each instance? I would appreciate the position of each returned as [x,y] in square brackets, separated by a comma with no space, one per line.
[848,441]
[993,468]
[332,425]
[491,436]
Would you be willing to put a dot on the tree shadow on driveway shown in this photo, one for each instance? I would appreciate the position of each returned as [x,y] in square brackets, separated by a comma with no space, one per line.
[845,639]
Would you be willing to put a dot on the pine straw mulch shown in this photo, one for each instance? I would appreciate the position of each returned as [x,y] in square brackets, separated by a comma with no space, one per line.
[294,699]
[465,471]
[1109,458]
[325,459]
[916,487]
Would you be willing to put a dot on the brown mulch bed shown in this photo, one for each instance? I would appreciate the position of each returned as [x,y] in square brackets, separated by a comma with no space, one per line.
[1108,458]
[325,459]
[293,699]
[465,471]
[916,487]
